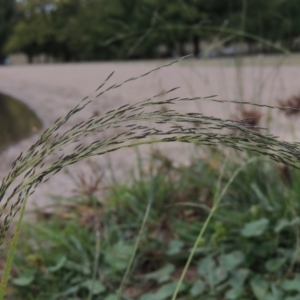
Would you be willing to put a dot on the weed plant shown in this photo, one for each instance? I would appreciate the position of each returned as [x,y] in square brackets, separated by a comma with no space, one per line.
[140,125]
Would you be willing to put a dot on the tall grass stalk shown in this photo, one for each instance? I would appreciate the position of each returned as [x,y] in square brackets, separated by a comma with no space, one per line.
[11,252]
[140,125]
[97,247]
[136,245]
[217,201]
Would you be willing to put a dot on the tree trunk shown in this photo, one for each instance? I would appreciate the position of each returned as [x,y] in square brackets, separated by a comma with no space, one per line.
[29,58]
[196,44]
[171,50]
[181,49]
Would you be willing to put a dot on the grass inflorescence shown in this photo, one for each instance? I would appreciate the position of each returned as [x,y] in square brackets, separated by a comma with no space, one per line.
[140,124]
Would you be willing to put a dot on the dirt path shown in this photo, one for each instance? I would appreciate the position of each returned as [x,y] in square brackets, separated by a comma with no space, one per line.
[52,90]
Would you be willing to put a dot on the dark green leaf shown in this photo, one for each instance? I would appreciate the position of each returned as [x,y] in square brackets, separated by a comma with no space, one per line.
[274,264]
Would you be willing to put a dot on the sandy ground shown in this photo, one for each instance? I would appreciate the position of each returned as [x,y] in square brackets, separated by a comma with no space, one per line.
[52,90]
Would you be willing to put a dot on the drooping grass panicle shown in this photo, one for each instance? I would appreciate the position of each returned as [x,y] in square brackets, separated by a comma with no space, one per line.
[139,125]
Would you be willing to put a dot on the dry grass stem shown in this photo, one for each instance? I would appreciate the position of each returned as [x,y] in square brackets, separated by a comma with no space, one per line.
[291,102]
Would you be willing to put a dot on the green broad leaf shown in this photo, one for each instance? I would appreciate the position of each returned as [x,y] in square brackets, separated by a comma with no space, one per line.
[288,253]
[148,296]
[277,293]
[118,256]
[283,223]
[60,263]
[212,274]
[94,286]
[164,292]
[272,297]
[295,221]
[218,276]
[25,279]
[297,297]
[231,260]
[259,287]
[234,293]
[296,254]
[206,266]
[175,247]
[198,288]
[110,297]
[161,275]
[273,265]
[238,277]
[255,228]
[291,285]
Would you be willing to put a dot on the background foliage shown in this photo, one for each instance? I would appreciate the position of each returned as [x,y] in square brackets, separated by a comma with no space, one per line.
[80,30]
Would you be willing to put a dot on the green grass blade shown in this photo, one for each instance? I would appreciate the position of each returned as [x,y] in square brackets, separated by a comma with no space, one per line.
[11,252]
[204,227]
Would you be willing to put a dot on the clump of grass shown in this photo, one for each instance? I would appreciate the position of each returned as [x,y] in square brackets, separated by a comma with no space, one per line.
[139,125]
[249,246]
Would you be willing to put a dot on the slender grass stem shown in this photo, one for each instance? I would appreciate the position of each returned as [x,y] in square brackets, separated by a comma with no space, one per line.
[97,246]
[136,245]
[167,126]
[11,252]
[205,225]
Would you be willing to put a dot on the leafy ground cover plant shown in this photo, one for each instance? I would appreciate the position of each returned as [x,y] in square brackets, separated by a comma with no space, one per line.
[249,250]
[140,125]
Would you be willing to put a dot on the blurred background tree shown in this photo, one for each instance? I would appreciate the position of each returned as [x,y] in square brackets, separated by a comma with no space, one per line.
[8,14]
[85,30]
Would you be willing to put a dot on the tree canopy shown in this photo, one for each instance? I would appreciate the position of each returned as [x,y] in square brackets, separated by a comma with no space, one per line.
[83,30]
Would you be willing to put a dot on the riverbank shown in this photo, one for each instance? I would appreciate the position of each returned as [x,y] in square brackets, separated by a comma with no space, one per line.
[53,90]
